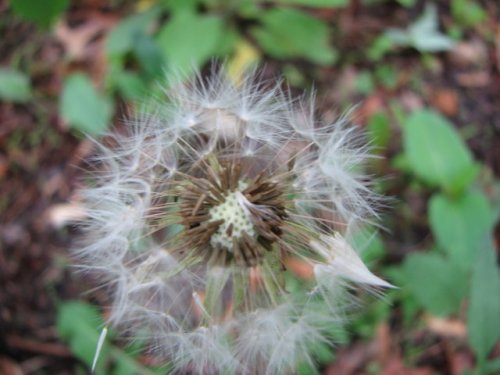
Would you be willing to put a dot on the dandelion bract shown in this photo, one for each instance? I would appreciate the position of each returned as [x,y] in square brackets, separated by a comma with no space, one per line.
[199,210]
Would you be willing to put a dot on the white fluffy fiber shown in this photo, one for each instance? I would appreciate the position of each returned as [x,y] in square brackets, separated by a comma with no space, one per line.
[153,292]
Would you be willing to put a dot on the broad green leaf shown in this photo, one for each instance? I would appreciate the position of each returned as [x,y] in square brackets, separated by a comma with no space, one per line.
[493,366]
[43,13]
[467,12]
[80,325]
[148,54]
[460,225]
[14,86]
[288,33]
[436,153]
[122,37]
[130,85]
[380,129]
[306,368]
[484,306]
[228,42]
[177,6]
[438,285]
[364,83]
[188,40]
[380,46]
[410,307]
[83,107]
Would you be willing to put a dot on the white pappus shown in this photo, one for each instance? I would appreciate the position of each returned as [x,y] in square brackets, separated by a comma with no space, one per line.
[198,210]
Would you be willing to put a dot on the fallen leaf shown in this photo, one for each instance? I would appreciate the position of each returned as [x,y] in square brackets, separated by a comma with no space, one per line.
[350,360]
[460,361]
[384,342]
[411,101]
[446,101]
[446,327]
[373,104]
[474,79]
[470,53]
[76,41]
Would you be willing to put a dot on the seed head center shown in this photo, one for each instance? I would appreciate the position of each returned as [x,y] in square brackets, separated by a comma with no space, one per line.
[236,220]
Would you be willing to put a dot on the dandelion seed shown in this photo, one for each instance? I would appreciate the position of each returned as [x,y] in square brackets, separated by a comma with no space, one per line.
[100,343]
[197,212]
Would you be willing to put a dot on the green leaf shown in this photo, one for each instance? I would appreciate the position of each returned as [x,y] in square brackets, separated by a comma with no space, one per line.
[387,75]
[14,86]
[175,6]
[438,285]
[83,107]
[306,368]
[364,83]
[436,153]
[380,129]
[468,13]
[122,37]
[460,225]
[484,307]
[42,13]
[130,85]
[148,54]
[80,325]
[493,366]
[380,46]
[289,33]
[188,40]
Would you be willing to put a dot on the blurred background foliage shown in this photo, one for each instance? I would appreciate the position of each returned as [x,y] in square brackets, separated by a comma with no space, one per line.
[423,77]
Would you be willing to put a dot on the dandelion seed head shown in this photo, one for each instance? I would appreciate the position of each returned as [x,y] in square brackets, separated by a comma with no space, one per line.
[196,211]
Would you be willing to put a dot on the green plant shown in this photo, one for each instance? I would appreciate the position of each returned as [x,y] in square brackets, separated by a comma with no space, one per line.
[463,268]
[14,86]
[79,323]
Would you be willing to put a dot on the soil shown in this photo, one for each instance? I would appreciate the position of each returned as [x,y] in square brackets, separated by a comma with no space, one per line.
[42,163]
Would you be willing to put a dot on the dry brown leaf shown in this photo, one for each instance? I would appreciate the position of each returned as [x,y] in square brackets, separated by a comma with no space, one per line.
[411,101]
[474,79]
[384,342]
[459,361]
[446,101]
[446,327]
[470,53]
[76,41]
[368,108]
[350,360]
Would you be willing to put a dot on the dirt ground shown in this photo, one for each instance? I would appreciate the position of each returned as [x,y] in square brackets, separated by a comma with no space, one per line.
[42,162]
